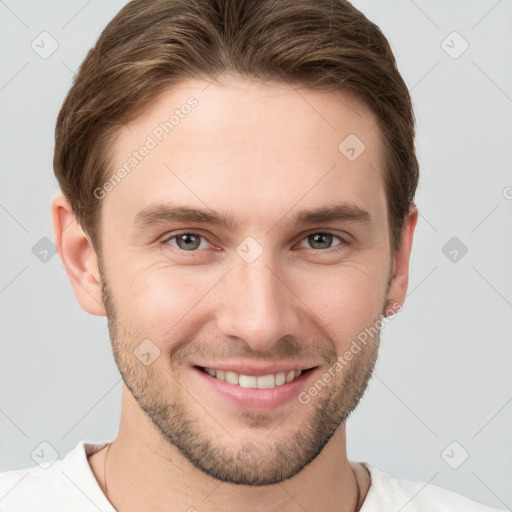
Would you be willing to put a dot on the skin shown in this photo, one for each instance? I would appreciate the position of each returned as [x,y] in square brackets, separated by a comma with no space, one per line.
[260,152]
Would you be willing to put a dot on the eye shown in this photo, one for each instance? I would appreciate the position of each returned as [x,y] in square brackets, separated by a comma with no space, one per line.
[188,241]
[321,240]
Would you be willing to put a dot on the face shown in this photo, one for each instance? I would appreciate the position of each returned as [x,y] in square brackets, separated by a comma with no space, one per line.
[246,238]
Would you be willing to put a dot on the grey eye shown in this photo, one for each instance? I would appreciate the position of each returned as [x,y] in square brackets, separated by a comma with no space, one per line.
[321,240]
[187,241]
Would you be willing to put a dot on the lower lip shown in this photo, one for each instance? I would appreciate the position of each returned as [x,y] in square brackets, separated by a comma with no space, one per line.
[261,399]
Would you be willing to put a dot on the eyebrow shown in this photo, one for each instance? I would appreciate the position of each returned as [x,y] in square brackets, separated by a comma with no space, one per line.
[153,214]
[167,212]
[337,212]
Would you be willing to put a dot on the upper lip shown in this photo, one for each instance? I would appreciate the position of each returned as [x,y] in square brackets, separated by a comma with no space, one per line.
[258,369]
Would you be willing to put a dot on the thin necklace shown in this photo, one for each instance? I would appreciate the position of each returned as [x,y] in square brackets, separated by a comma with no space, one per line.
[105,475]
[356,509]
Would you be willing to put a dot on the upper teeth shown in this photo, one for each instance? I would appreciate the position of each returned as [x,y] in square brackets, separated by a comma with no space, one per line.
[250,381]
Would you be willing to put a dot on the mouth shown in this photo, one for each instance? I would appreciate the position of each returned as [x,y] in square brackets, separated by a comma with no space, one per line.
[268,381]
[262,392]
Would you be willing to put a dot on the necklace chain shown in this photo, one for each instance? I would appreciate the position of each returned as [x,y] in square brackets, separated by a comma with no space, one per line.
[356,509]
[105,475]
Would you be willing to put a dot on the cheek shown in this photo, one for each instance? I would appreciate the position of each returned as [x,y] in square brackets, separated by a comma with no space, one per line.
[159,301]
[347,299]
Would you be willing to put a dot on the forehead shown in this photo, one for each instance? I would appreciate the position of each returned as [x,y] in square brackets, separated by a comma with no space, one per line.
[234,142]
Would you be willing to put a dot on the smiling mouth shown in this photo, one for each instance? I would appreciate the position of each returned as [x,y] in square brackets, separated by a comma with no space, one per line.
[269,381]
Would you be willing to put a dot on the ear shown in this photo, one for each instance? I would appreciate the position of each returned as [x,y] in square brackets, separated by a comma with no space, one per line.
[399,277]
[78,256]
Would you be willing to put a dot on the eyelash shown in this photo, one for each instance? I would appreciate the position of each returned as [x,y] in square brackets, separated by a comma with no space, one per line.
[336,247]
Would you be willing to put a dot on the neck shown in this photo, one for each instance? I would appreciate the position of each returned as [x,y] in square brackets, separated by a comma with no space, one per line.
[145,472]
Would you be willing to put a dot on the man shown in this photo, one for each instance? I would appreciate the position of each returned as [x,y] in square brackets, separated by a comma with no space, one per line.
[238,184]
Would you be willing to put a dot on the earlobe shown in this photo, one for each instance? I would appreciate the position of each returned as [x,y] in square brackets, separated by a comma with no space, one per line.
[78,257]
[397,289]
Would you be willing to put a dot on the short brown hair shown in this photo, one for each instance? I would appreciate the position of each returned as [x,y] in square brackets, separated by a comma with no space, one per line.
[152,44]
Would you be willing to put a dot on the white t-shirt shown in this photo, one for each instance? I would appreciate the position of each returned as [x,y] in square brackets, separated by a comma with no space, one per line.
[69,485]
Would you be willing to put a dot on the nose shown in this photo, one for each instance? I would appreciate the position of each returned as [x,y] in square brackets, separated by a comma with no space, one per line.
[257,305]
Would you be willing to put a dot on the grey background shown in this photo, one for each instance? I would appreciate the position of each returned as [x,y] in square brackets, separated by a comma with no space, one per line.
[444,370]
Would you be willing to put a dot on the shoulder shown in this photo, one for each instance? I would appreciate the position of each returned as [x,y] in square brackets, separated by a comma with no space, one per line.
[64,485]
[22,489]
[389,493]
